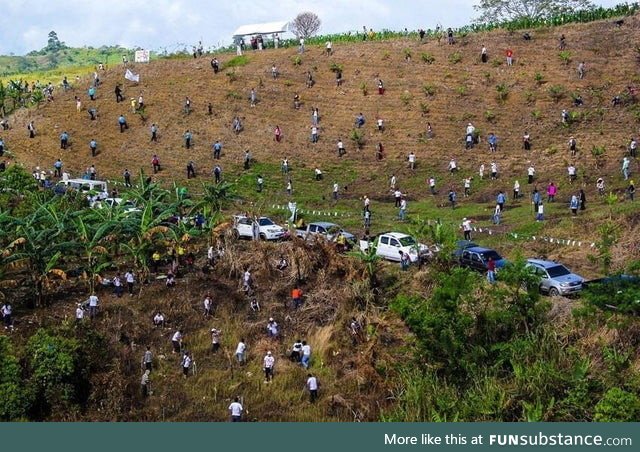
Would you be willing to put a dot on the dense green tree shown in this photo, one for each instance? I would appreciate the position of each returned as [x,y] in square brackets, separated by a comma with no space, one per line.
[501,10]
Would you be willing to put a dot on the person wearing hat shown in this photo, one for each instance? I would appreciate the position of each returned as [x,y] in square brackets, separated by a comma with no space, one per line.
[272,328]
[269,362]
[215,340]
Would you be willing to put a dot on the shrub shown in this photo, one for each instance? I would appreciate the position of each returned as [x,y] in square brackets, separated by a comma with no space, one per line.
[407,54]
[529,96]
[598,151]
[296,60]
[406,98]
[14,398]
[461,90]
[427,58]
[234,95]
[557,92]
[565,57]
[496,62]
[231,76]
[455,58]
[386,55]
[618,405]
[363,88]
[237,61]
[503,92]
[336,67]
[428,89]
[490,116]
[424,109]
[357,136]
[539,78]
[536,115]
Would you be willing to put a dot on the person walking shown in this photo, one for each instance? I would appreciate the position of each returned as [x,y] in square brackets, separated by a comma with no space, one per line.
[215,340]
[625,168]
[501,199]
[7,315]
[516,190]
[452,198]
[154,132]
[64,140]
[217,149]
[631,190]
[582,198]
[187,362]
[176,341]
[277,134]
[122,122]
[268,365]
[402,214]
[217,174]
[531,171]
[466,228]
[312,386]
[127,177]
[145,382]
[526,141]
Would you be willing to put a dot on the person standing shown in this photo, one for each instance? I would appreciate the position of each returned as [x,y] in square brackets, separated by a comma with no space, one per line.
[154,132]
[127,177]
[145,383]
[491,271]
[215,340]
[236,410]
[260,183]
[452,198]
[176,341]
[312,386]
[432,185]
[582,198]
[467,187]
[241,351]
[494,170]
[631,190]
[531,171]
[402,214]
[217,174]
[516,190]
[207,305]
[272,328]
[277,134]
[117,285]
[130,279]
[64,140]
[509,54]
[539,212]
[335,191]
[526,141]
[501,199]
[93,305]
[187,138]
[32,129]
[296,297]
[57,168]
[412,160]
[552,191]
[392,182]
[7,315]
[625,168]
[79,313]
[187,361]
[466,228]
[147,359]
[268,365]
[217,148]
[306,355]
[574,204]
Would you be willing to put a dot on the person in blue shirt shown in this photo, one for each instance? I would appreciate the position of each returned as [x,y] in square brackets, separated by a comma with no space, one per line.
[123,123]
[64,140]
[536,199]
[501,199]
[452,198]
[217,148]
[574,204]
[492,139]
[187,139]
[93,145]
[57,168]
[154,132]
[360,120]
[92,93]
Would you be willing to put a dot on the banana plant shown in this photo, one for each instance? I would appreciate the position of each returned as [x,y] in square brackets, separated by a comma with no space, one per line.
[93,248]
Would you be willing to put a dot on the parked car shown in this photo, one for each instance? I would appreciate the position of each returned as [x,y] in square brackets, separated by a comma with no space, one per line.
[389,245]
[476,258]
[556,279]
[263,227]
[462,245]
[128,205]
[328,230]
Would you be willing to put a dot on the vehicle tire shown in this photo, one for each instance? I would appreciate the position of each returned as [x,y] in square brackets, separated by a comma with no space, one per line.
[263,236]
[553,292]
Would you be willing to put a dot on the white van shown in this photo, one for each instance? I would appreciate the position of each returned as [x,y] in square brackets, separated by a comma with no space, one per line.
[84,185]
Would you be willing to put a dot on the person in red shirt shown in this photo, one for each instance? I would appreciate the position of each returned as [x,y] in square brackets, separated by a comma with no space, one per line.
[296,295]
[509,57]
[491,271]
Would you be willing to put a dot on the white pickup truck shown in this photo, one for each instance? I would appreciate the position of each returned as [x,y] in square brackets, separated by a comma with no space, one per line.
[389,245]
[263,228]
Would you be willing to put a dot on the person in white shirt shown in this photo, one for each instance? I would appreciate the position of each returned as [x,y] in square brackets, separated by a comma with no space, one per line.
[516,190]
[571,170]
[130,280]
[467,187]
[312,386]
[432,185]
[176,341]
[366,202]
[7,312]
[296,351]
[246,280]
[272,328]
[494,170]
[380,124]
[117,285]
[531,171]
[335,191]
[329,47]
[314,134]
[306,354]
[397,195]
[470,129]
[186,364]
[144,383]
[393,182]
[453,166]
[269,362]
[412,160]
[79,313]
[341,149]
[93,305]
[466,228]
[207,305]
[241,352]
[236,410]
[158,320]
[481,171]
[215,339]
[301,48]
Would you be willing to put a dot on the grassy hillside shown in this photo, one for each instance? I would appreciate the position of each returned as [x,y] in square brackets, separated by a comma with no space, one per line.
[429,81]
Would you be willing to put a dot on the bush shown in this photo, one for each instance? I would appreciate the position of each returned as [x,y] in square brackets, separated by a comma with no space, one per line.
[428,89]
[490,116]
[427,58]
[357,136]
[557,92]
[407,54]
[15,399]
[462,90]
[406,98]
[424,109]
[231,76]
[565,57]
[539,78]
[496,62]
[363,88]
[455,58]
[536,115]
[503,92]
[237,61]
[618,405]
[336,67]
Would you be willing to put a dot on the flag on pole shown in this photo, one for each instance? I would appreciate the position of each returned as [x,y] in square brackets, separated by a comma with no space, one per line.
[131,76]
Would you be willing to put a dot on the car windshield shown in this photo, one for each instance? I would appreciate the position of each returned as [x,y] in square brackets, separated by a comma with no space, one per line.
[558,270]
[407,241]
[491,254]
[265,222]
